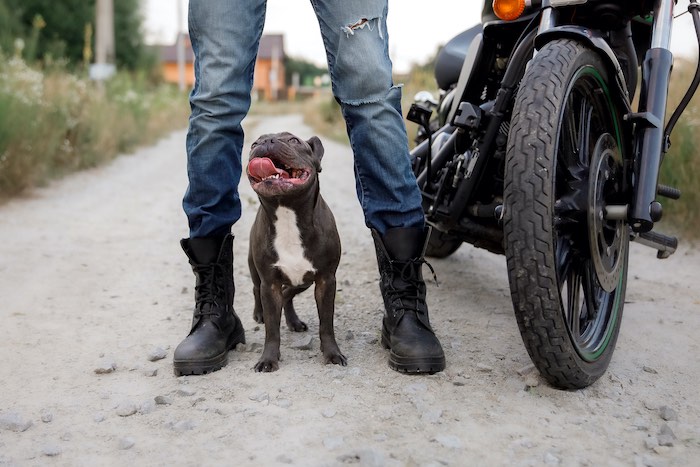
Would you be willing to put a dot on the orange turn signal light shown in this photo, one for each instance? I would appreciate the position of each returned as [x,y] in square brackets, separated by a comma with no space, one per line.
[508,10]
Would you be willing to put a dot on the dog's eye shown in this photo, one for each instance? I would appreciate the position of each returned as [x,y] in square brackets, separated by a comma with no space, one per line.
[294,140]
[253,145]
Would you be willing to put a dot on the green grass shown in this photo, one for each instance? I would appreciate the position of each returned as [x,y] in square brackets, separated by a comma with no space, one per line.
[53,122]
[681,166]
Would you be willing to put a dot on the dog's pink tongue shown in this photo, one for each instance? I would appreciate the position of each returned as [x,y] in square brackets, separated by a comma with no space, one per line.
[263,167]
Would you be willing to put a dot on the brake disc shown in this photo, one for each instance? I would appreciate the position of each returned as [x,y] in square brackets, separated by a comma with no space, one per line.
[606,237]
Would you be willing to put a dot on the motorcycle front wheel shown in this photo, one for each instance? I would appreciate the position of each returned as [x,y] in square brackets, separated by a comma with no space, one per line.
[567,263]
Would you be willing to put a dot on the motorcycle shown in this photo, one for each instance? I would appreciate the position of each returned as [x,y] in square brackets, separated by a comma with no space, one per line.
[533,150]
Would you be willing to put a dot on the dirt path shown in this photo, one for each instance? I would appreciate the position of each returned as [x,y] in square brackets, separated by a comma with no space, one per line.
[93,284]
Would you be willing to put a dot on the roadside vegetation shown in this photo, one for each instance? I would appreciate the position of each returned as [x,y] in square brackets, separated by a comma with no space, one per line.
[681,168]
[53,122]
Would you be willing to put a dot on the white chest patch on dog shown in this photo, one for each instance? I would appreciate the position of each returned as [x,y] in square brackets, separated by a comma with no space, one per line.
[287,244]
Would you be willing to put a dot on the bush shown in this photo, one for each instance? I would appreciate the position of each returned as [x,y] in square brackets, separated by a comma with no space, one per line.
[53,122]
[681,166]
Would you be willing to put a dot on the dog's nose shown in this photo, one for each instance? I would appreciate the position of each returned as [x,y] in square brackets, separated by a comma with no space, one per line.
[265,145]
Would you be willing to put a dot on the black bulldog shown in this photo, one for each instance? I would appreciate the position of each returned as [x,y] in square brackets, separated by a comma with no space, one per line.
[294,241]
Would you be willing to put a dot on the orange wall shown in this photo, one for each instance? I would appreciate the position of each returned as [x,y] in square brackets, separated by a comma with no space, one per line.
[261,80]
[172,75]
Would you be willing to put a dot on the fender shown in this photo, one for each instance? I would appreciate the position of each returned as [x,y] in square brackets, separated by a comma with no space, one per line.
[594,40]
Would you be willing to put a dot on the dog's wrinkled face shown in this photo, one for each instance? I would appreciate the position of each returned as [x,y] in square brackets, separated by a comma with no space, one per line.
[281,164]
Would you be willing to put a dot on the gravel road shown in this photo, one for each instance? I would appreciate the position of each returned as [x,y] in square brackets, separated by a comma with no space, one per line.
[95,294]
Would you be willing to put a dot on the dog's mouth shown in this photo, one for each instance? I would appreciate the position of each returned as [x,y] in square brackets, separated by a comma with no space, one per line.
[265,169]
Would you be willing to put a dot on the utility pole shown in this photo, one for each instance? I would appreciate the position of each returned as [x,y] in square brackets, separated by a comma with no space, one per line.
[104,66]
[180,48]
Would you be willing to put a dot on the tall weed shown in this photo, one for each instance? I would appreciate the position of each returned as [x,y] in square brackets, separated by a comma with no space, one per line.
[53,122]
[681,166]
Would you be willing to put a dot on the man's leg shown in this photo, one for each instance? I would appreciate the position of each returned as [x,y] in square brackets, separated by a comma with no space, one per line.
[356,42]
[225,35]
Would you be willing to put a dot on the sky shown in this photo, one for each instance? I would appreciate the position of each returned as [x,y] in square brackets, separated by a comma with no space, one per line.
[416,27]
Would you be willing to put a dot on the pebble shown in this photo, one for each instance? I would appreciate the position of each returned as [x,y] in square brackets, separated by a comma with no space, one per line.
[147,407]
[304,343]
[333,442]
[260,397]
[551,459]
[157,353]
[640,424]
[251,347]
[668,414]
[51,450]
[106,366]
[649,369]
[126,409]
[151,372]
[329,413]
[184,425]
[46,416]
[448,441]
[13,421]
[283,403]
[665,436]
[186,392]
[126,443]
[527,369]
[349,335]
[532,381]
[431,416]
[98,417]
[163,400]
[365,458]
[651,442]
[484,368]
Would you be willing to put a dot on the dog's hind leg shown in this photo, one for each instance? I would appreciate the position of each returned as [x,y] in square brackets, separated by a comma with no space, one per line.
[290,314]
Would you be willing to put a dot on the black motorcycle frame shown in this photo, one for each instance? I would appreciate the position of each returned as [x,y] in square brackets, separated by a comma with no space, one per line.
[461,178]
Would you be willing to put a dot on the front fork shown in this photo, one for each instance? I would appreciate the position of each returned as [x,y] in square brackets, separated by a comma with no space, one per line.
[649,144]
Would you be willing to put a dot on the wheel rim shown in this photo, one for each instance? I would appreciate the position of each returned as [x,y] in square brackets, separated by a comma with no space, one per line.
[590,251]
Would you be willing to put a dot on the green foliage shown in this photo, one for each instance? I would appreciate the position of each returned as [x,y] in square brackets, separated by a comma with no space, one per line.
[681,166]
[53,30]
[307,71]
[52,122]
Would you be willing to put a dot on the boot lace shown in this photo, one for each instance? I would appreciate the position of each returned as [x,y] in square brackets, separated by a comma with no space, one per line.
[209,290]
[410,292]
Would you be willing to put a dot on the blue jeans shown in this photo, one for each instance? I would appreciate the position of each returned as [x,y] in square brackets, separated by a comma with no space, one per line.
[225,35]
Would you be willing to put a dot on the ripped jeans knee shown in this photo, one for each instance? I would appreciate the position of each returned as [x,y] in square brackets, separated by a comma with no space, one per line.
[361,71]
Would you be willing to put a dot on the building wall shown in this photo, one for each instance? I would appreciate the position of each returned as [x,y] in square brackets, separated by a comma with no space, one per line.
[171,73]
[262,85]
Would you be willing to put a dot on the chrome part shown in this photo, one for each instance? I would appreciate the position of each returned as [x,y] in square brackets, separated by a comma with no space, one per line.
[425,97]
[616,213]
[663,23]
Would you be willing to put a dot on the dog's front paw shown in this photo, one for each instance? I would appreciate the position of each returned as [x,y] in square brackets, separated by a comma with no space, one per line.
[267,365]
[258,317]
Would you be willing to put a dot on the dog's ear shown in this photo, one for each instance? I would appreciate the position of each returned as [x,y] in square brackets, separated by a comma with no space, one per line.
[317,150]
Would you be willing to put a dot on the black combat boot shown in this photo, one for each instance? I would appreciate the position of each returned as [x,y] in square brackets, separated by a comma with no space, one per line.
[406,330]
[215,327]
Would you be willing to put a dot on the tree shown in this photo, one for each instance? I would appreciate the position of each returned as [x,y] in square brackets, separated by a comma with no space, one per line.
[60,29]
[307,71]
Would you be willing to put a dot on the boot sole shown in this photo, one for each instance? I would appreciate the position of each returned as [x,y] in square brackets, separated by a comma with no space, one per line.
[209,365]
[414,365]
